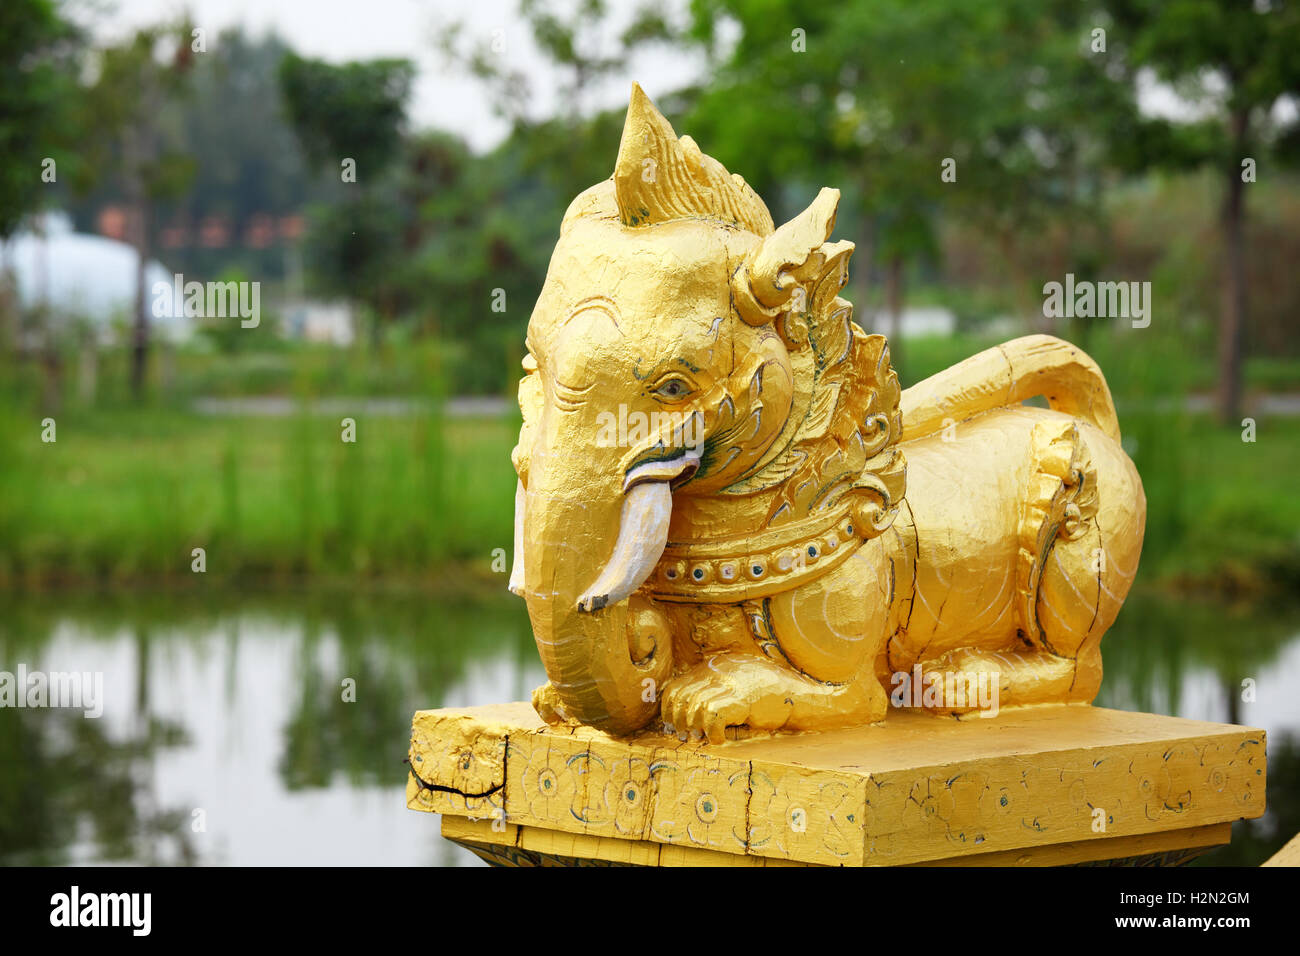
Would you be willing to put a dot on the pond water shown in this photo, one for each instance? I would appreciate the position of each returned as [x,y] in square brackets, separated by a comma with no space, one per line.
[226,739]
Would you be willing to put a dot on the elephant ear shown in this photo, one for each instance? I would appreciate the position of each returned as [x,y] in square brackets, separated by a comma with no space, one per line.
[530,405]
[778,274]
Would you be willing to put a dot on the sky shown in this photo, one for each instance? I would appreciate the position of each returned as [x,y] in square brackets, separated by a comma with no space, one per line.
[443,96]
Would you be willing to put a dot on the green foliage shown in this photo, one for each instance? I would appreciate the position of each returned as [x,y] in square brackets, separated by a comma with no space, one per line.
[355,113]
[883,93]
[573,42]
[1232,59]
[123,135]
[353,110]
[353,245]
[489,224]
[1235,62]
[228,336]
[248,164]
[37,94]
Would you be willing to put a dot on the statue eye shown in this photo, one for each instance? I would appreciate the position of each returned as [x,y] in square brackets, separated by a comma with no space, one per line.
[673,389]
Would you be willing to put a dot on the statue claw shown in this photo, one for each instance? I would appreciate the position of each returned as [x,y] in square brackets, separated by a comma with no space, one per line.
[547,704]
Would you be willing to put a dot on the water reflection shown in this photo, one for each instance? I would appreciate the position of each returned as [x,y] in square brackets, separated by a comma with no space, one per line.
[226,736]
[1231,663]
[235,708]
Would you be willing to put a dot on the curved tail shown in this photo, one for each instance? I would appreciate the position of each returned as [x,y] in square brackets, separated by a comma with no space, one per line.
[1006,375]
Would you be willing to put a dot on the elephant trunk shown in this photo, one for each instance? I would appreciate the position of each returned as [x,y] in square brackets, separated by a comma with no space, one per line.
[588,548]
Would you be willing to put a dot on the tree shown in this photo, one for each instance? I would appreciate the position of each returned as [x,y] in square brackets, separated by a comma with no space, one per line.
[487,225]
[37,91]
[37,102]
[355,110]
[248,162]
[576,47]
[571,149]
[1236,61]
[350,118]
[886,97]
[490,240]
[126,140]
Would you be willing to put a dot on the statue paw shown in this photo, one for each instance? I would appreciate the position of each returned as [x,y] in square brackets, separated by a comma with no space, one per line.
[729,690]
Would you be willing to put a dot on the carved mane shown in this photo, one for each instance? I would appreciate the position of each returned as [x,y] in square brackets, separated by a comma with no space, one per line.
[842,434]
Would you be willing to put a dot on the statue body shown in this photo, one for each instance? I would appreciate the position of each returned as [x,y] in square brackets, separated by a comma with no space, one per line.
[776,534]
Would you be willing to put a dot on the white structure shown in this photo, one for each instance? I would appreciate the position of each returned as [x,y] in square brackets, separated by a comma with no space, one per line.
[313,321]
[88,278]
[915,322]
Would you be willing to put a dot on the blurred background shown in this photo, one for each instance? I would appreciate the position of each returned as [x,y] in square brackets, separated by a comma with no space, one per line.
[392,176]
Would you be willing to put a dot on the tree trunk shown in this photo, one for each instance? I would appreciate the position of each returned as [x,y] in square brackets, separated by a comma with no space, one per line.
[50,358]
[1232,319]
[140,152]
[140,336]
[52,379]
[88,368]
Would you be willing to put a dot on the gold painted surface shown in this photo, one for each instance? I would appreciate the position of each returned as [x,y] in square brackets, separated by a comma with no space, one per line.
[732,520]
[912,790]
[1289,855]
[528,846]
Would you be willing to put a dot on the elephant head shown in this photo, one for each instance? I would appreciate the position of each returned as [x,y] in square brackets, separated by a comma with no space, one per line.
[659,366]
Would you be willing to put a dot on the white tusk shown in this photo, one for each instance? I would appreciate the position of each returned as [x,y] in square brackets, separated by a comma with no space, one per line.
[642,535]
[517,561]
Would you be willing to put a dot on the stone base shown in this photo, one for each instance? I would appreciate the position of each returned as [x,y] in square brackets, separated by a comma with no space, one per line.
[1053,785]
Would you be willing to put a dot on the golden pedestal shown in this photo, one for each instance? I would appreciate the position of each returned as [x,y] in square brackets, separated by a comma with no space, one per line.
[1041,786]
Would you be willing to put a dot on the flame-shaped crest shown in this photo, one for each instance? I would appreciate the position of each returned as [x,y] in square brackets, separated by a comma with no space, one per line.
[659,177]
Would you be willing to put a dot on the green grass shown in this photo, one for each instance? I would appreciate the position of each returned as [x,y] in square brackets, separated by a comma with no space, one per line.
[126,492]
[127,495]
[1239,516]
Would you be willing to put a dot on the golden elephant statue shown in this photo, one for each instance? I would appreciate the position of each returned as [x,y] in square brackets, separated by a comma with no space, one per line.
[730,520]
